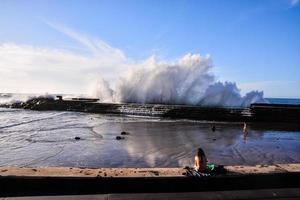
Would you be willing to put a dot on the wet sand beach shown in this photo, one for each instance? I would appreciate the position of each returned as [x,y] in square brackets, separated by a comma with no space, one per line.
[32,139]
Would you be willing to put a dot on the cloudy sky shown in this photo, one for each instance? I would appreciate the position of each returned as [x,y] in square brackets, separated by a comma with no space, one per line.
[63,46]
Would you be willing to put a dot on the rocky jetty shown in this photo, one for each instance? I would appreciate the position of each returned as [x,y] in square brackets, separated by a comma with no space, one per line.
[256,112]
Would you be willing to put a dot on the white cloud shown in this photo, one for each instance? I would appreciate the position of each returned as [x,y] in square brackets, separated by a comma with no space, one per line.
[294,2]
[26,68]
[271,88]
[98,47]
[33,69]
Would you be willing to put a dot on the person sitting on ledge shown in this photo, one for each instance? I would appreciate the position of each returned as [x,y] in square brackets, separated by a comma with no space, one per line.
[200,161]
[202,166]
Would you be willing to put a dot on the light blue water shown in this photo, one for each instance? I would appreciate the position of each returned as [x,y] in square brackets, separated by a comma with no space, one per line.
[284,101]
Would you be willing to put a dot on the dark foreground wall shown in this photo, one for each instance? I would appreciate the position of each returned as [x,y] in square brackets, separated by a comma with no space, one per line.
[31,186]
[275,112]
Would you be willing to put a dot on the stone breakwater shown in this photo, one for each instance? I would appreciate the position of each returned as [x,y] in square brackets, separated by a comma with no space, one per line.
[256,112]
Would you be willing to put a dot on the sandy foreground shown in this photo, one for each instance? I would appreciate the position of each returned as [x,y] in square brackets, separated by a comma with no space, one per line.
[136,172]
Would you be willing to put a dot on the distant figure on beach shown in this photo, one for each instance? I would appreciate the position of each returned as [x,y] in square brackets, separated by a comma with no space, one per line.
[213,128]
[245,130]
[200,161]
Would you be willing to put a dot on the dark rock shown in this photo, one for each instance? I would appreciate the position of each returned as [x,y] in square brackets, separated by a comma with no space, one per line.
[77,138]
[59,97]
[124,133]
[36,103]
[213,128]
[120,138]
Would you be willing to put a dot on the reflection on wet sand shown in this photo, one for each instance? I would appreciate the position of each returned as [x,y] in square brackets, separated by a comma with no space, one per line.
[175,143]
[152,142]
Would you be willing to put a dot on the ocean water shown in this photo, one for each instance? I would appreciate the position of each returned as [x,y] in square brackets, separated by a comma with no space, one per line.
[35,138]
[284,101]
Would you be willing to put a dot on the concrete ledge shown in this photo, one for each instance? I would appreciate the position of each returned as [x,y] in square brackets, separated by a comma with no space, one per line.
[137,172]
[16,181]
[263,169]
[88,172]
[282,194]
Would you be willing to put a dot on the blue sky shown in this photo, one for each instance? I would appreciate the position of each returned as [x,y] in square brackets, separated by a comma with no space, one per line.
[255,43]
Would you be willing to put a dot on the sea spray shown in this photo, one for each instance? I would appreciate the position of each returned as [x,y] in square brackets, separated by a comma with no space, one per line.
[188,81]
[101,89]
[13,98]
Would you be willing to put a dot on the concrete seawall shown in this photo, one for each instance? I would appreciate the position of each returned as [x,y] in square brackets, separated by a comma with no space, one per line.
[256,113]
[16,181]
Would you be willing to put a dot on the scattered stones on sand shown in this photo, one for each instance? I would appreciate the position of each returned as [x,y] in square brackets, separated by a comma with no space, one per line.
[77,138]
[124,133]
[213,128]
[120,138]
[87,173]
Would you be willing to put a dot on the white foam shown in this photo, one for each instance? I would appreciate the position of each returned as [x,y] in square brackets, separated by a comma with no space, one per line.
[15,98]
[187,81]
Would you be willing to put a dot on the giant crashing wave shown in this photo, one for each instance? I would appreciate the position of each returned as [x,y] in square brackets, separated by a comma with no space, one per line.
[188,81]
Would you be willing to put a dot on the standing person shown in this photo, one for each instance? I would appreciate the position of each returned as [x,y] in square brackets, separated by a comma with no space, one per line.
[200,161]
[213,128]
[245,129]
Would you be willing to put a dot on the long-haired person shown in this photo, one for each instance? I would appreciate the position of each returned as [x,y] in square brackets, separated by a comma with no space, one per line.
[200,161]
